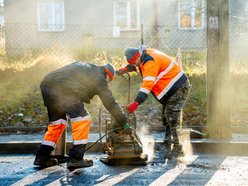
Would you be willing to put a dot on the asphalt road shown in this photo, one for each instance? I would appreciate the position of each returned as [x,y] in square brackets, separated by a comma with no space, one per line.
[191,170]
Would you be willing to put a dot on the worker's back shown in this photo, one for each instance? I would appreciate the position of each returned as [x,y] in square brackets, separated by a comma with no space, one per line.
[81,79]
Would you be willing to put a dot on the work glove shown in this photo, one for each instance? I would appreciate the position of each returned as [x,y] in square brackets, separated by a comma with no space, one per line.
[127,128]
[132,106]
[128,68]
[121,71]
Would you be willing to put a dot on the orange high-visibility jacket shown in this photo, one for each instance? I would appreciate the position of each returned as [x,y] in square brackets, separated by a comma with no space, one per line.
[161,75]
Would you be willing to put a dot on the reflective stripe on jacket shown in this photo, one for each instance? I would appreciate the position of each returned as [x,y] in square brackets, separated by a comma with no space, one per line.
[161,76]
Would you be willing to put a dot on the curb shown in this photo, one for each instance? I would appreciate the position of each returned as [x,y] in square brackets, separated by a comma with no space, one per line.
[204,146]
[220,147]
[30,147]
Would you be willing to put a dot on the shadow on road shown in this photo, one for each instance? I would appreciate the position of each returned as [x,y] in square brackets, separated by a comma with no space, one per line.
[195,170]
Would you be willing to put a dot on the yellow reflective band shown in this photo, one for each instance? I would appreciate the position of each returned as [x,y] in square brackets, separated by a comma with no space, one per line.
[146,91]
[79,142]
[58,122]
[49,143]
[87,117]
[149,78]
[165,71]
[172,82]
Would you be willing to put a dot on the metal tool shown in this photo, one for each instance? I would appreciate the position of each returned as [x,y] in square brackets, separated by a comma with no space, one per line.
[60,150]
[122,147]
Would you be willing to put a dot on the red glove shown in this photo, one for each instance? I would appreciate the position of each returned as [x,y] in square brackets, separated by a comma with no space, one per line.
[121,71]
[125,69]
[132,106]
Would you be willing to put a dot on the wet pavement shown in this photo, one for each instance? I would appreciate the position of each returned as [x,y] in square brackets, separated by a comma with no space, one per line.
[207,162]
[195,169]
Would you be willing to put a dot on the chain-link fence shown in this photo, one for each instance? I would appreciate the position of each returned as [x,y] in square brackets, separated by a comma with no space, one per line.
[239,72]
[22,39]
[19,39]
[238,45]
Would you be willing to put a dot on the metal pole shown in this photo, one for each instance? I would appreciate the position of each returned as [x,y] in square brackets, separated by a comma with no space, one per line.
[142,34]
[60,149]
[155,25]
[218,98]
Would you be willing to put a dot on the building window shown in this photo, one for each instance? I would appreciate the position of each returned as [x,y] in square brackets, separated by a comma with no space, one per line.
[239,8]
[127,14]
[50,16]
[1,3]
[246,9]
[191,14]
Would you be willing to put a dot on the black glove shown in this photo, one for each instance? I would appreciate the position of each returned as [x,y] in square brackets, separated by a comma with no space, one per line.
[127,128]
[131,68]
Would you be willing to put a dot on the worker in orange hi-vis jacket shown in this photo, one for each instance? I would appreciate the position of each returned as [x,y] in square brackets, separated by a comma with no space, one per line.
[163,77]
[64,92]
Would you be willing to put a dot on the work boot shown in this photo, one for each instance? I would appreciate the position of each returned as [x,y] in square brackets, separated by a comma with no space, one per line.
[44,161]
[73,163]
[177,151]
[167,150]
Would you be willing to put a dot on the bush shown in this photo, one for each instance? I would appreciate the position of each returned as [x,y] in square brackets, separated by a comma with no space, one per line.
[20,86]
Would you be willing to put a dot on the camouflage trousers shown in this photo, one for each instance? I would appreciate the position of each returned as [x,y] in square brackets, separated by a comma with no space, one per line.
[172,116]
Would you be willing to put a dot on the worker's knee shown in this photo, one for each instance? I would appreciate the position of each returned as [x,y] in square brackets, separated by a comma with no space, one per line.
[174,118]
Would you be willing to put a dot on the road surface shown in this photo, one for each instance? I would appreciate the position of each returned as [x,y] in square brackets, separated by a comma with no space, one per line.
[197,169]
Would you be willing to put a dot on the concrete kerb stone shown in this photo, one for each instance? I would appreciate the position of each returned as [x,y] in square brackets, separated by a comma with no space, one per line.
[205,146]
[31,146]
[224,147]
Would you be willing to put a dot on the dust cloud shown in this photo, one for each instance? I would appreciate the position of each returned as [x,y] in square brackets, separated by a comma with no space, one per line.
[147,141]
[184,140]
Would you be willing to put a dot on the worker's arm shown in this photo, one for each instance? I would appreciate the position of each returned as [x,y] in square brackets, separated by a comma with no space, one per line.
[111,104]
[149,73]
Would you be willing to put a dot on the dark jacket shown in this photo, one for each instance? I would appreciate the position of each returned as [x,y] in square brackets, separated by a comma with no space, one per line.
[84,81]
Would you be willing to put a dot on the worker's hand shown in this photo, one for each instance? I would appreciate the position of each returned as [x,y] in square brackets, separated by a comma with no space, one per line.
[121,71]
[127,128]
[132,106]
[128,68]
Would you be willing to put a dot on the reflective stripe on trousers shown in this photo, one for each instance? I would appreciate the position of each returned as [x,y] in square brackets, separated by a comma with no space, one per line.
[54,132]
[80,129]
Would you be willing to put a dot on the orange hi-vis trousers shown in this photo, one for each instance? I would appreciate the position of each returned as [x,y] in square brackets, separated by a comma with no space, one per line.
[54,131]
[80,130]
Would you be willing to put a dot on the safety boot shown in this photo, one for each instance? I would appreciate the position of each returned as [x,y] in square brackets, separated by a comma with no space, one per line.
[167,149]
[73,163]
[177,151]
[167,140]
[44,161]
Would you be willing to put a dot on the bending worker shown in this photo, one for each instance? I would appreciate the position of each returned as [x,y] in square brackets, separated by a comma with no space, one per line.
[169,85]
[64,92]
